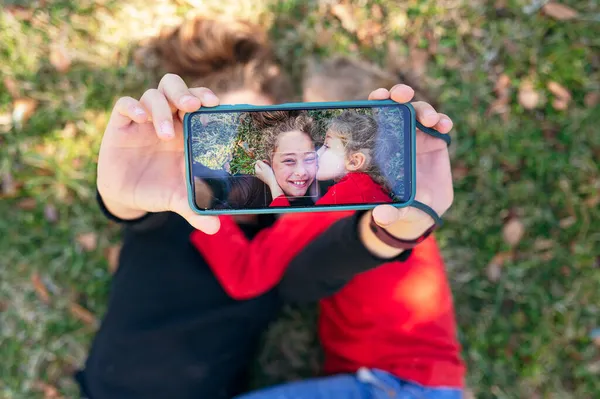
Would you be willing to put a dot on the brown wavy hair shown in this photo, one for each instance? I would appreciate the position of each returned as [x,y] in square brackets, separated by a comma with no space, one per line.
[273,124]
[222,55]
[359,133]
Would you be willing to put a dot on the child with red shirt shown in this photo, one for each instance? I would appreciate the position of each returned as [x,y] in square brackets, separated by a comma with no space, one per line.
[394,326]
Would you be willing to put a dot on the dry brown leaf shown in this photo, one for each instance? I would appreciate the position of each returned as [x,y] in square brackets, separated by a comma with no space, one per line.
[88,241]
[502,85]
[460,171]
[82,314]
[49,391]
[112,256]
[11,87]
[345,14]
[23,108]
[592,99]
[59,58]
[560,104]
[567,222]
[50,213]
[6,122]
[542,244]
[559,11]
[559,91]
[27,204]
[40,288]
[494,268]
[528,96]
[501,104]
[69,131]
[513,231]
[592,201]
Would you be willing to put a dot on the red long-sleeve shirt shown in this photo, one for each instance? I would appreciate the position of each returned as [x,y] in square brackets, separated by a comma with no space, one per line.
[398,317]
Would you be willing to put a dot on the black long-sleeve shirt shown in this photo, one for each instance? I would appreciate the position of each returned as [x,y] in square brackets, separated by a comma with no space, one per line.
[170,330]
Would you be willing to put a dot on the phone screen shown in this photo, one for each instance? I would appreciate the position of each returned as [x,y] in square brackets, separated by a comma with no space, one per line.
[270,158]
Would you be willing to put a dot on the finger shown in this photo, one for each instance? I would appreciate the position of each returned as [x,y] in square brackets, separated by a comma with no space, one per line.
[444,125]
[386,215]
[379,94]
[426,114]
[209,99]
[162,118]
[178,94]
[128,109]
[402,93]
[206,96]
[206,224]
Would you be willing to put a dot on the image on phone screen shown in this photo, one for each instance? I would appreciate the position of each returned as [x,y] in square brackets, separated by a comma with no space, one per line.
[249,160]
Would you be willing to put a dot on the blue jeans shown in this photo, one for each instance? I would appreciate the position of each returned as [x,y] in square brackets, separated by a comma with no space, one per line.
[365,384]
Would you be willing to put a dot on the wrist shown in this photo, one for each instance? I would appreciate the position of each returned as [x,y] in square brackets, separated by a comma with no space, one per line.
[372,242]
[391,242]
[120,211]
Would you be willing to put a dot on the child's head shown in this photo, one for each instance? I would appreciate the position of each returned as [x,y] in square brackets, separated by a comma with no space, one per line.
[287,144]
[349,146]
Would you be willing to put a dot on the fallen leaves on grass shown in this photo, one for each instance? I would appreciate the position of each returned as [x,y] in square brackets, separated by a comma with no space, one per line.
[112,256]
[562,96]
[591,99]
[513,231]
[40,288]
[6,122]
[559,11]
[345,13]
[60,58]
[82,314]
[49,391]
[501,104]
[494,268]
[529,98]
[567,222]
[23,109]
[27,204]
[11,87]
[88,241]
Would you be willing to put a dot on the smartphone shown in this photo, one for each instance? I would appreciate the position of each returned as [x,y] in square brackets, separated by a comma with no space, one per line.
[300,157]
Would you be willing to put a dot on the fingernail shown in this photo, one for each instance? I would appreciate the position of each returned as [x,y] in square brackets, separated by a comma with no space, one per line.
[166,128]
[429,113]
[139,111]
[209,97]
[446,122]
[187,99]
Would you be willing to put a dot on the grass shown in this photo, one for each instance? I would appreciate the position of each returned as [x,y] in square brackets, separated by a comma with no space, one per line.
[525,325]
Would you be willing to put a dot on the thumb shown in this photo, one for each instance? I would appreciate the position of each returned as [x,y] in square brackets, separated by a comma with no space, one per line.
[207,224]
[386,215]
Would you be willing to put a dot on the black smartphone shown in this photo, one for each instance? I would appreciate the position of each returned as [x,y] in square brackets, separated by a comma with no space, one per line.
[300,157]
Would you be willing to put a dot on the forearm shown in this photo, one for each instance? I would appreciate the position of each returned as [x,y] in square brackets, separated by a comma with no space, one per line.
[145,220]
[333,258]
[378,248]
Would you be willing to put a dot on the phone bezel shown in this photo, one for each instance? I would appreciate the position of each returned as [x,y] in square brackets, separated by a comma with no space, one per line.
[300,106]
